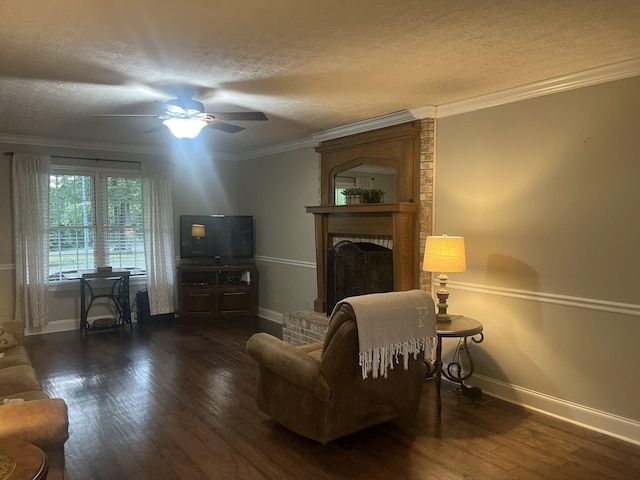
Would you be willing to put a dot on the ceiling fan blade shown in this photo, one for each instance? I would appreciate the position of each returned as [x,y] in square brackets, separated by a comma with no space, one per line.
[225,127]
[176,110]
[122,115]
[239,116]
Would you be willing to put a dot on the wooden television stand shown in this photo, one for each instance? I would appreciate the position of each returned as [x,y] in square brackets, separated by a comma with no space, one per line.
[210,292]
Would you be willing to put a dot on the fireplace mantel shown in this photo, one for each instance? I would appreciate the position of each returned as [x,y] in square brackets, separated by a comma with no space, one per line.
[364,208]
[393,220]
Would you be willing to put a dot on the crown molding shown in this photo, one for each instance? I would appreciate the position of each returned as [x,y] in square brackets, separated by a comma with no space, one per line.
[69,144]
[358,127]
[428,111]
[275,149]
[594,76]
[225,157]
[365,125]
[343,131]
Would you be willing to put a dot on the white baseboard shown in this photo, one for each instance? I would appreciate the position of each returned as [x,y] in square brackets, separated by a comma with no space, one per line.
[603,422]
[56,326]
[61,326]
[271,315]
[74,323]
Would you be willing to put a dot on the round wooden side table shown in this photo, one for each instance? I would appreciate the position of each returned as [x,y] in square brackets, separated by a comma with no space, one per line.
[20,460]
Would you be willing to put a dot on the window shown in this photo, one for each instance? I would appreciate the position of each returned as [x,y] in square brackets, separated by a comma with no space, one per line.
[95,218]
[340,185]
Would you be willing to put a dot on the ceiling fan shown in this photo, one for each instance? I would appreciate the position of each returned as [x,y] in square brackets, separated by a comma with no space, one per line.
[185,118]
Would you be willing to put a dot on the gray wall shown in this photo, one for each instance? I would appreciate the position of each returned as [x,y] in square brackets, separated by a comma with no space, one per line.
[545,192]
[203,186]
[275,190]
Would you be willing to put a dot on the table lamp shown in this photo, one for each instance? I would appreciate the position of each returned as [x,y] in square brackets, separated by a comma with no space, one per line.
[197,232]
[446,255]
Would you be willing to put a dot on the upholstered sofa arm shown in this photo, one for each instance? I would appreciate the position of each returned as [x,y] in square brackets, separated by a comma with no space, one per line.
[44,423]
[16,329]
[288,361]
[311,347]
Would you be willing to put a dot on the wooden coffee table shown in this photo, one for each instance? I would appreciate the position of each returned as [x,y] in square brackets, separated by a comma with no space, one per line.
[20,460]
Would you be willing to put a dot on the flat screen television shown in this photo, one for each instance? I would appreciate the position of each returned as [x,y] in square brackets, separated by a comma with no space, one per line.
[218,238]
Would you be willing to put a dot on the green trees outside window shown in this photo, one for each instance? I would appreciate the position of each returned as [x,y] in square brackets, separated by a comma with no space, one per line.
[94,219]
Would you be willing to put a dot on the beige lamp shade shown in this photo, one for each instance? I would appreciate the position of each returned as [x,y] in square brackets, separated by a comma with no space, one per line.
[444,254]
[197,230]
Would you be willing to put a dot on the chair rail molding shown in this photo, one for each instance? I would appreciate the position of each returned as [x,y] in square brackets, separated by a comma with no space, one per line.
[545,297]
[286,261]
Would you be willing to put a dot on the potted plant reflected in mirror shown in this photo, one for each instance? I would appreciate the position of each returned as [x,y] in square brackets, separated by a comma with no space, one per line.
[374,195]
[354,196]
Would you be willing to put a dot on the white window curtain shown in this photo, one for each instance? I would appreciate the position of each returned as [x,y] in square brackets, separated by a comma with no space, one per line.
[31,237]
[157,219]
[364,182]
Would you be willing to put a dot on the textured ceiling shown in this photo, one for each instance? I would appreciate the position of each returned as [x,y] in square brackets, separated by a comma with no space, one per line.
[309,65]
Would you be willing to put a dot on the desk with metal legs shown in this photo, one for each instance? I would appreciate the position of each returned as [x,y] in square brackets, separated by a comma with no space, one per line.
[118,294]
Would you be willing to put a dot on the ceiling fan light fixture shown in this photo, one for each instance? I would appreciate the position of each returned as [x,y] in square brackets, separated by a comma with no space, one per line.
[185,127]
[186,104]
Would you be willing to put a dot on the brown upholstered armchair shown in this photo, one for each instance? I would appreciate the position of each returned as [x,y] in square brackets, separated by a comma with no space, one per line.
[318,390]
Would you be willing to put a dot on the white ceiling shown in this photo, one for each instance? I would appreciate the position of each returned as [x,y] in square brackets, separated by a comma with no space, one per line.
[310,65]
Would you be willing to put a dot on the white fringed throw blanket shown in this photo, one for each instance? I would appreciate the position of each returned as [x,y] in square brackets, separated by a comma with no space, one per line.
[390,324]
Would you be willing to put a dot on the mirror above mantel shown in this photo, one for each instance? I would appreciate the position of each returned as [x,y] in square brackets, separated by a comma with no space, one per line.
[381,177]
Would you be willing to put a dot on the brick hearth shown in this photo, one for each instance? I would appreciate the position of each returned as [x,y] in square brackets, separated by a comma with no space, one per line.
[300,328]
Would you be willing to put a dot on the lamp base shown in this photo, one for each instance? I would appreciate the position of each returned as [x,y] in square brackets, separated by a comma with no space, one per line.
[443,295]
[443,318]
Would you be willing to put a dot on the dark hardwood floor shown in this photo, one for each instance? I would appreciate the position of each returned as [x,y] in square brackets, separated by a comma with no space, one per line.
[167,402]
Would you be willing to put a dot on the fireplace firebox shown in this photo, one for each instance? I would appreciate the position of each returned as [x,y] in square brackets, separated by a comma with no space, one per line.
[357,268]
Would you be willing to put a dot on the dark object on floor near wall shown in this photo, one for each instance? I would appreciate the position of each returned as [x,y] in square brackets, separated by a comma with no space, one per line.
[143,313]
